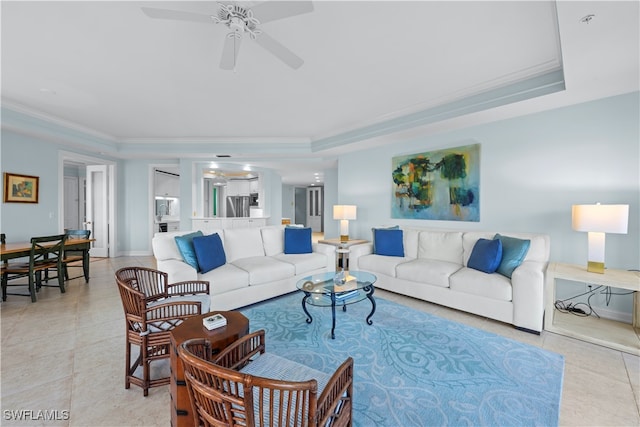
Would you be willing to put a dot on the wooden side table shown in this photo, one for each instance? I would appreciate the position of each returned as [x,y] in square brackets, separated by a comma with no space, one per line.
[237,327]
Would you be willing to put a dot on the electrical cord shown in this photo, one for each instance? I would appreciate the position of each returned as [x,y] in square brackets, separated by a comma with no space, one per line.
[584,309]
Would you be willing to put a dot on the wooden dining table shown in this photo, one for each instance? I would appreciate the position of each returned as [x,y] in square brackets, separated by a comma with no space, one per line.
[23,249]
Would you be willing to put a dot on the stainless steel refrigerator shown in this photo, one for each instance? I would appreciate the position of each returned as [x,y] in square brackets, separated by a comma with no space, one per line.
[237,206]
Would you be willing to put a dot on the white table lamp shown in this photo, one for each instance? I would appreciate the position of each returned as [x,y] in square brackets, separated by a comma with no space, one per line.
[597,220]
[344,213]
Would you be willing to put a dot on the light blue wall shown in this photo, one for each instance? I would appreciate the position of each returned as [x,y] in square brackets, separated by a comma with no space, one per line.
[533,168]
[21,221]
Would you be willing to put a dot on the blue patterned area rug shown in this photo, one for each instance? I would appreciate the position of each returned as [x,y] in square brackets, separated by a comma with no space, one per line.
[416,369]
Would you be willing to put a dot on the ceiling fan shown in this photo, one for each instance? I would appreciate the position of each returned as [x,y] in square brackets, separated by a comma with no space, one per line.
[240,18]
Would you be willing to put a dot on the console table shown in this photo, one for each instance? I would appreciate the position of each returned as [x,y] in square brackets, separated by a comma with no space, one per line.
[237,327]
[609,333]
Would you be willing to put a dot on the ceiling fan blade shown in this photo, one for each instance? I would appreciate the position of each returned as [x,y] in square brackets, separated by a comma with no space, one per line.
[230,53]
[272,10]
[176,15]
[277,49]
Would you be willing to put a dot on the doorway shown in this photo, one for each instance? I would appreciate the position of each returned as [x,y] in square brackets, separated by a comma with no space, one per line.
[95,205]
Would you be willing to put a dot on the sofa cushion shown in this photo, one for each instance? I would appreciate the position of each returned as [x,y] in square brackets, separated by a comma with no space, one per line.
[474,282]
[186,248]
[304,263]
[513,253]
[225,278]
[263,269]
[381,264]
[441,246]
[297,240]
[242,243]
[486,255]
[388,242]
[411,237]
[209,252]
[432,272]
[273,240]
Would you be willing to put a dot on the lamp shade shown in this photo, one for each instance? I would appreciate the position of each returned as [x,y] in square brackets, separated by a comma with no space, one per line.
[600,218]
[344,212]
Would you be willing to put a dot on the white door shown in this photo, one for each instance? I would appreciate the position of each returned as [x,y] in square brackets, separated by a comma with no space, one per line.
[314,214]
[71,203]
[97,209]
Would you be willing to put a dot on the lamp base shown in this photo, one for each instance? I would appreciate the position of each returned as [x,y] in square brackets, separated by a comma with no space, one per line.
[595,267]
[344,238]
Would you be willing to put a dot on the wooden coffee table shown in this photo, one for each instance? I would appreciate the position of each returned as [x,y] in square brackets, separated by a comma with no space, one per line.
[237,327]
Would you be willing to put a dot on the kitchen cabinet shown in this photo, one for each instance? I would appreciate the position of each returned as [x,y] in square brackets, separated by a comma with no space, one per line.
[254,186]
[211,224]
[206,225]
[167,185]
[249,222]
[238,187]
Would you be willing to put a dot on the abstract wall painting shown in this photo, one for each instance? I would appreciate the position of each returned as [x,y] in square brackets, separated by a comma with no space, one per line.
[437,185]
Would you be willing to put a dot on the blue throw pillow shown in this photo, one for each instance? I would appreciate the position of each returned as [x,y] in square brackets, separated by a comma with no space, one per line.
[210,252]
[297,240]
[513,253]
[486,255]
[388,242]
[373,231]
[185,246]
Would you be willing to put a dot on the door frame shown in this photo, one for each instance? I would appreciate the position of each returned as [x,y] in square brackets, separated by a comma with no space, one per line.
[111,186]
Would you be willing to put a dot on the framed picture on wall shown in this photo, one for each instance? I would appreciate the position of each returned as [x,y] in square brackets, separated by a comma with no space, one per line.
[437,185]
[20,188]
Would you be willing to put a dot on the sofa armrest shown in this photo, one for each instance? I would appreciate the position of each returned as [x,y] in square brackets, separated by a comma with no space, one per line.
[329,251]
[356,251]
[178,271]
[527,282]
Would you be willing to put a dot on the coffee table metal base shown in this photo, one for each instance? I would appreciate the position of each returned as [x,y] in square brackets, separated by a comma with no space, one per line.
[369,289]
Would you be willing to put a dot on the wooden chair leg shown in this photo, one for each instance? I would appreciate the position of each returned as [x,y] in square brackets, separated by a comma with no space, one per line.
[127,361]
[146,374]
[33,287]
[5,279]
[61,280]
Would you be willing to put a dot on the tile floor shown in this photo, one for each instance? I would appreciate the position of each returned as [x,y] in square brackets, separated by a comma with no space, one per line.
[65,353]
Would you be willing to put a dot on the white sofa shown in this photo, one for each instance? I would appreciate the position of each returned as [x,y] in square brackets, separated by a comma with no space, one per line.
[257,267]
[434,268]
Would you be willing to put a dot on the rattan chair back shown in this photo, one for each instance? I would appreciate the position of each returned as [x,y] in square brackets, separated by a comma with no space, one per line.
[150,315]
[221,395]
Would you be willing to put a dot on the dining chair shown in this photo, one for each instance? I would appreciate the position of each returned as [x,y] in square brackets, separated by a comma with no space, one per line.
[152,308]
[72,257]
[46,254]
[244,385]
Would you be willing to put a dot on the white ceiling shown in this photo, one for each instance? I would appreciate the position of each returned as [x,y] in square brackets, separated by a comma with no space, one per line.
[153,88]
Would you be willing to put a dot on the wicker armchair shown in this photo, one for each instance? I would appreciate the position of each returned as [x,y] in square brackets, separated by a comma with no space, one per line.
[152,308]
[232,388]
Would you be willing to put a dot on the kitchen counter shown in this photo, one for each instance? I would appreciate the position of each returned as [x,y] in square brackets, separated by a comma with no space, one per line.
[216,223]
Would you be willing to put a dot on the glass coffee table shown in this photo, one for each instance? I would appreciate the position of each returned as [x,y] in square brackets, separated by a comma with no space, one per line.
[337,288]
